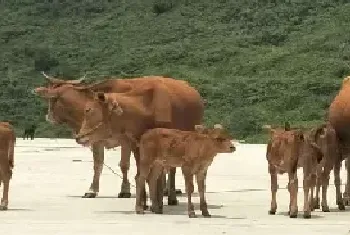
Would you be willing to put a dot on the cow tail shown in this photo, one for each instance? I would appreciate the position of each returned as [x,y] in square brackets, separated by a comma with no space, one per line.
[11,150]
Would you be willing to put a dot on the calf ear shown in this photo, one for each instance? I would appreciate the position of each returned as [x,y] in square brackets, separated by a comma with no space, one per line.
[199,128]
[162,104]
[115,107]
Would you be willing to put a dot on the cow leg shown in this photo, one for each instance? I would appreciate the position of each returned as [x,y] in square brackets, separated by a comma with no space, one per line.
[172,201]
[337,183]
[273,175]
[124,165]
[189,190]
[98,156]
[155,191]
[316,199]
[325,183]
[307,186]
[347,187]
[293,192]
[5,173]
[140,187]
[200,177]
[137,160]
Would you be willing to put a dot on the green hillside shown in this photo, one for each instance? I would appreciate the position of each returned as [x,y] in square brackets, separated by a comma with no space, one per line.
[256,62]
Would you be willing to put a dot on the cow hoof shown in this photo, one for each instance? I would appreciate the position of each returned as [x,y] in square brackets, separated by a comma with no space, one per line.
[140,212]
[145,207]
[89,195]
[124,195]
[206,215]
[178,192]
[307,215]
[158,212]
[165,193]
[3,208]
[293,215]
[192,215]
[341,207]
[325,208]
[173,202]
[272,212]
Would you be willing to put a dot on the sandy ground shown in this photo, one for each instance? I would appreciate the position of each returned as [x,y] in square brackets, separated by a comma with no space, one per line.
[51,175]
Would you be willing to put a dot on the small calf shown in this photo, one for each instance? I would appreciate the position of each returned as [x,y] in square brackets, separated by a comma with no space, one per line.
[7,143]
[193,151]
[287,150]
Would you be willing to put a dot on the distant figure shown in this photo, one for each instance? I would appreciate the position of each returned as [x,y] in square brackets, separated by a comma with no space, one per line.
[29,132]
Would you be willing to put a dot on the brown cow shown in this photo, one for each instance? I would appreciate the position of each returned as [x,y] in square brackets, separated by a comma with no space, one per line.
[286,151]
[339,118]
[169,103]
[7,145]
[326,138]
[193,151]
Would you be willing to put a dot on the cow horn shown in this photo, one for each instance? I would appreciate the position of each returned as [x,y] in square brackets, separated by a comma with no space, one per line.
[51,79]
[218,126]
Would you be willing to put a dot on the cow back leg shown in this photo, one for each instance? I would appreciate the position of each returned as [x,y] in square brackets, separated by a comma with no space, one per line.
[200,177]
[337,183]
[172,201]
[347,187]
[5,173]
[98,157]
[293,192]
[155,178]
[273,176]
[325,183]
[124,165]
[189,190]
[316,199]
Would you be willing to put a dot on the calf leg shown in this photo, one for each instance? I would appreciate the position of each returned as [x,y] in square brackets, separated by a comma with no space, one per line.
[347,187]
[308,183]
[337,183]
[293,192]
[325,183]
[140,187]
[155,180]
[98,156]
[273,175]
[137,160]
[124,165]
[172,201]
[316,200]
[200,177]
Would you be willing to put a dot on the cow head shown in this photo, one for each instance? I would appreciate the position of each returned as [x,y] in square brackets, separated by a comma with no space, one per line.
[221,138]
[65,104]
[96,125]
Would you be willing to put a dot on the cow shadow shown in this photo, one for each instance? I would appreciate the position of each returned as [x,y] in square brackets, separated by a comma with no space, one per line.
[300,215]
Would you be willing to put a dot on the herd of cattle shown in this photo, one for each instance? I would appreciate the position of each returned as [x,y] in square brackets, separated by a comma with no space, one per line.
[159,119]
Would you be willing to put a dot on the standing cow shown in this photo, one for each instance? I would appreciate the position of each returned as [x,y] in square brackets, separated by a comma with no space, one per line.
[169,103]
[7,145]
[193,151]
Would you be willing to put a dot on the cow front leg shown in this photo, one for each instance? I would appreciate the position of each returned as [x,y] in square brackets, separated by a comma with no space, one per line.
[98,157]
[136,151]
[172,201]
[189,190]
[124,165]
[337,183]
[316,199]
[140,187]
[308,183]
[273,176]
[346,195]
[293,192]
[200,177]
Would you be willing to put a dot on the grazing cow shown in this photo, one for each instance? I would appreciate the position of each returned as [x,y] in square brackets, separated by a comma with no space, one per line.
[326,138]
[339,118]
[169,103]
[193,151]
[7,145]
[29,132]
[286,151]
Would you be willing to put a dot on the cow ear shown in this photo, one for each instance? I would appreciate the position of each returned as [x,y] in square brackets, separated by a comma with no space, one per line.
[162,104]
[199,128]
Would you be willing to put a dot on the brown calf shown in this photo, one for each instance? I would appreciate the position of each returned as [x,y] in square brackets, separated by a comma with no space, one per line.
[7,143]
[193,151]
[326,138]
[287,150]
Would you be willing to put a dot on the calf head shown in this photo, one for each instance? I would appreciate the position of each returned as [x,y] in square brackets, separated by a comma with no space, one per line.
[96,124]
[221,138]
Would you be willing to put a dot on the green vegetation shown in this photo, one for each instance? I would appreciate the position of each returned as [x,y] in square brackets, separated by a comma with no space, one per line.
[256,61]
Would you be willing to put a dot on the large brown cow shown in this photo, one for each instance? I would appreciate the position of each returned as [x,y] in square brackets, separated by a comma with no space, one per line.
[286,151]
[193,151]
[7,145]
[169,103]
[66,106]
